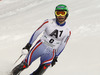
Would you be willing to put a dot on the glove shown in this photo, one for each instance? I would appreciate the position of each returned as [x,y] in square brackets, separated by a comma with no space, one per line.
[26,49]
[25,52]
[54,61]
[27,46]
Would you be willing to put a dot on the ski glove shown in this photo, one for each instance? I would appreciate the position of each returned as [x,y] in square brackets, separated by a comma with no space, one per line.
[25,52]
[54,61]
[27,46]
[26,49]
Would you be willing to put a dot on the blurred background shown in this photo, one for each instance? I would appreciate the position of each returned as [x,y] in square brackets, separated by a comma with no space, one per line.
[20,18]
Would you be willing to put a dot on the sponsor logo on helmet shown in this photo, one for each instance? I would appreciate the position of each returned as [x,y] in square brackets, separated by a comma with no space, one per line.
[60,7]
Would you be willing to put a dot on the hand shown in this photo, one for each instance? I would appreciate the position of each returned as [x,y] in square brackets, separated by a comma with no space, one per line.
[25,52]
[27,46]
[54,61]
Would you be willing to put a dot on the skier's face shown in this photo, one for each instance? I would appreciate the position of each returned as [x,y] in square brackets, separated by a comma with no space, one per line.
[61,16]
[61,19]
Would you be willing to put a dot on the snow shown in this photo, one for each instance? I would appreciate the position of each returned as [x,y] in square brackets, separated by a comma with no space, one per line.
[20,18]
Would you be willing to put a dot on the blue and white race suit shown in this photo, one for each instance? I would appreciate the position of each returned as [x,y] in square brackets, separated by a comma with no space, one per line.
[52,42]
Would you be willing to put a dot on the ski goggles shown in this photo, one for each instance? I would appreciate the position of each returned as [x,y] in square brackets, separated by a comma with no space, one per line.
[60,13]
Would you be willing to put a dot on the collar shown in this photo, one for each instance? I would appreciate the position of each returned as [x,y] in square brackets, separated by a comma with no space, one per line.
[60,24]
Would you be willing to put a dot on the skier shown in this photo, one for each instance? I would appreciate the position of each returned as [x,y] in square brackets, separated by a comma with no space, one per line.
[55,36]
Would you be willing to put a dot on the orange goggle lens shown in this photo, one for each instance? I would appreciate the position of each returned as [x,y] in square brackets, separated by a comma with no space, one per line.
[60,13]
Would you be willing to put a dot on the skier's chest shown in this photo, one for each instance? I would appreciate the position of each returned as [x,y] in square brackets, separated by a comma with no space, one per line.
[56,31]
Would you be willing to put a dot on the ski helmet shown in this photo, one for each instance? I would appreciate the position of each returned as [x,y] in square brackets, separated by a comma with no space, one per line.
[62,7]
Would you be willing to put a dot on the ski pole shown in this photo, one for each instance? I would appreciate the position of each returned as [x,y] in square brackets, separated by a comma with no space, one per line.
[18,59]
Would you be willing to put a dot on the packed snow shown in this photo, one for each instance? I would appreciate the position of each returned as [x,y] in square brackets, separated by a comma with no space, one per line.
[20,18]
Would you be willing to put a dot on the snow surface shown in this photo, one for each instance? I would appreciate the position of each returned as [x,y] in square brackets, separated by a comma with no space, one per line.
[20,18]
